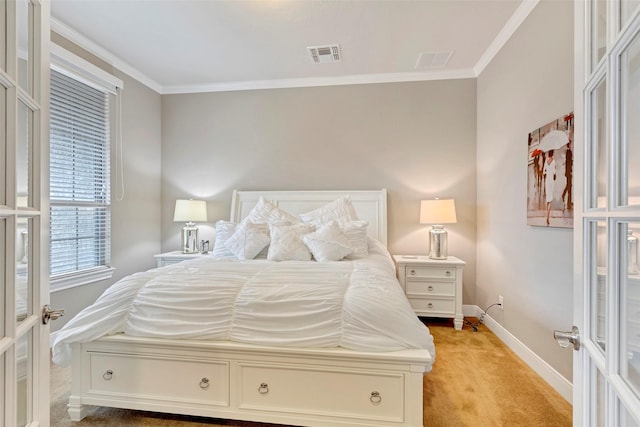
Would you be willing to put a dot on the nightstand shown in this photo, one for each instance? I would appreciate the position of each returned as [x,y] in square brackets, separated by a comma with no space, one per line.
[433,287]
[175,257]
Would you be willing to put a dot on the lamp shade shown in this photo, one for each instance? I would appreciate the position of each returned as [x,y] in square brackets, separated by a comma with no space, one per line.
[437,211]
[190,210]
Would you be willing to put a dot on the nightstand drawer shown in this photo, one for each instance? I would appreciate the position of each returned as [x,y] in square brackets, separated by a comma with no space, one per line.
[164,262]
[431,287]
[175,257]
[426,306]
[430,272]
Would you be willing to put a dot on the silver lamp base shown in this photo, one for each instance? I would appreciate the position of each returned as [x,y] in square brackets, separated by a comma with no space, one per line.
[438,241]
[189,238]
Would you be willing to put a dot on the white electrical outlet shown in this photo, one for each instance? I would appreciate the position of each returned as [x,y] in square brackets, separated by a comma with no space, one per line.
[501,302]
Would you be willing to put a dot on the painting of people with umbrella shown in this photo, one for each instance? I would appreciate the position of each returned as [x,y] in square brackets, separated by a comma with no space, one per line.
[550,174]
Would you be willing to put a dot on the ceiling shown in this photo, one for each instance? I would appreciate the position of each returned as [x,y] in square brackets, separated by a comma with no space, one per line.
[176,46]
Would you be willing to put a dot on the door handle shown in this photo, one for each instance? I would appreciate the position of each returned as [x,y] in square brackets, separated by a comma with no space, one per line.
[565,338]
[49,314]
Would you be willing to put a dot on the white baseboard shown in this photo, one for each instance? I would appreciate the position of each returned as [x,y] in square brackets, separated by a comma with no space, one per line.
[535,362]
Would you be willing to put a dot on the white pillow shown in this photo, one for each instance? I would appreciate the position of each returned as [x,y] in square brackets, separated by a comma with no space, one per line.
[340,210]
[248,240]
[328,243]
[356,232]
[286,242]
[224,230]
[266,212]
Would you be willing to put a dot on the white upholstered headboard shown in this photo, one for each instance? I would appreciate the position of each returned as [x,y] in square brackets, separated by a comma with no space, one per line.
[370,206]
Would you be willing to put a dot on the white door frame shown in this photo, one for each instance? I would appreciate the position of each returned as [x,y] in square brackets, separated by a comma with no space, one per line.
[29,89]
[608,405]
[578,205]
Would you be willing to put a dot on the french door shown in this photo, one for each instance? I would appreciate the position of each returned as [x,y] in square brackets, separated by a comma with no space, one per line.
[607,227]
[24,159]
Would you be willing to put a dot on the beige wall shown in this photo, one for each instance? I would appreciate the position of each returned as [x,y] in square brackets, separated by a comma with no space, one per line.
[135,220]
[528,84]
[417,140]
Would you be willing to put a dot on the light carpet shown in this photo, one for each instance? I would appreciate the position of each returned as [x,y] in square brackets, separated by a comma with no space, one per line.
[476,381]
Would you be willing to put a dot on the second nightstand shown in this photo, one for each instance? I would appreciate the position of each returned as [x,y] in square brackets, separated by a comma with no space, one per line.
[174,257]
[433,287]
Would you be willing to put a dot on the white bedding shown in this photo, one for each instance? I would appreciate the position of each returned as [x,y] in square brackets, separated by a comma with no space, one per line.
[355,304]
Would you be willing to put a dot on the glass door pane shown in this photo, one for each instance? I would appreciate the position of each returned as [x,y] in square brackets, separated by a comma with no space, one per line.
[23,277]
[599,31]
[628,421]
[599,409]
[3,228]
[3,143]
[598,290]
[630,304]
[627,7]
[630,125]
[24,367]
[24,155]
[25,45]
[3,36]
[2,382]
[597,165]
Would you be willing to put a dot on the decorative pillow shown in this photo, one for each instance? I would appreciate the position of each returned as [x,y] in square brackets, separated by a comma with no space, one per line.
[224,230]
[328,243]
[286,242]
[356,232]
[340,210]
[248,240]
[266,212]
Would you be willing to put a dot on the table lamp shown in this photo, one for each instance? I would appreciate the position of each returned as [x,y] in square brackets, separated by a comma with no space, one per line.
[189,211]
[437,212]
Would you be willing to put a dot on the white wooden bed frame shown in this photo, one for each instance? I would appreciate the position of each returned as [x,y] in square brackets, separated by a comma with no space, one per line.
[298,386]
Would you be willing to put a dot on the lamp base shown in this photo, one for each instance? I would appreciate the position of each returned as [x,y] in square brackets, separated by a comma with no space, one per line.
[438,242]
[189,238]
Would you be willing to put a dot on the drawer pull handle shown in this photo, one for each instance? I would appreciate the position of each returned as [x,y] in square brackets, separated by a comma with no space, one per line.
[264,388]
[375,397]
[204,383]
[107,375]
[412,272]
[430,305]
[448,273]
[430,288]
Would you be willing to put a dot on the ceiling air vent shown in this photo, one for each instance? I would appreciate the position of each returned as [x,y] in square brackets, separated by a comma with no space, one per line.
[324,54]
[433,60]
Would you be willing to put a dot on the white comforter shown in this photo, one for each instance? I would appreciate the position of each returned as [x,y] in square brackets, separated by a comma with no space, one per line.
[353,304]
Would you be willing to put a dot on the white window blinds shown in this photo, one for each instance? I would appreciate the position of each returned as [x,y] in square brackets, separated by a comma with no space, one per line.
[79,177]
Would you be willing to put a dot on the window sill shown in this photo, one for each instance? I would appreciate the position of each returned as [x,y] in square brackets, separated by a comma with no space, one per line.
[73,280]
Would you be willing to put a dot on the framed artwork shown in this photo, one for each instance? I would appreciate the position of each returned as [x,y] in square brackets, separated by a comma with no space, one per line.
[550,174]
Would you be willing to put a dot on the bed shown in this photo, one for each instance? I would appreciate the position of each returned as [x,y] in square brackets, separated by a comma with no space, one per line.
[316,374]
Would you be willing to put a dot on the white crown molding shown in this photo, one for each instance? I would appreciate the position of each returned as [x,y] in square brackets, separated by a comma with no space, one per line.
[322,81]
[102,53]
[505,34]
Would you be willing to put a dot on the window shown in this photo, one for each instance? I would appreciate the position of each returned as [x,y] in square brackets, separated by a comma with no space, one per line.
[80,196]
